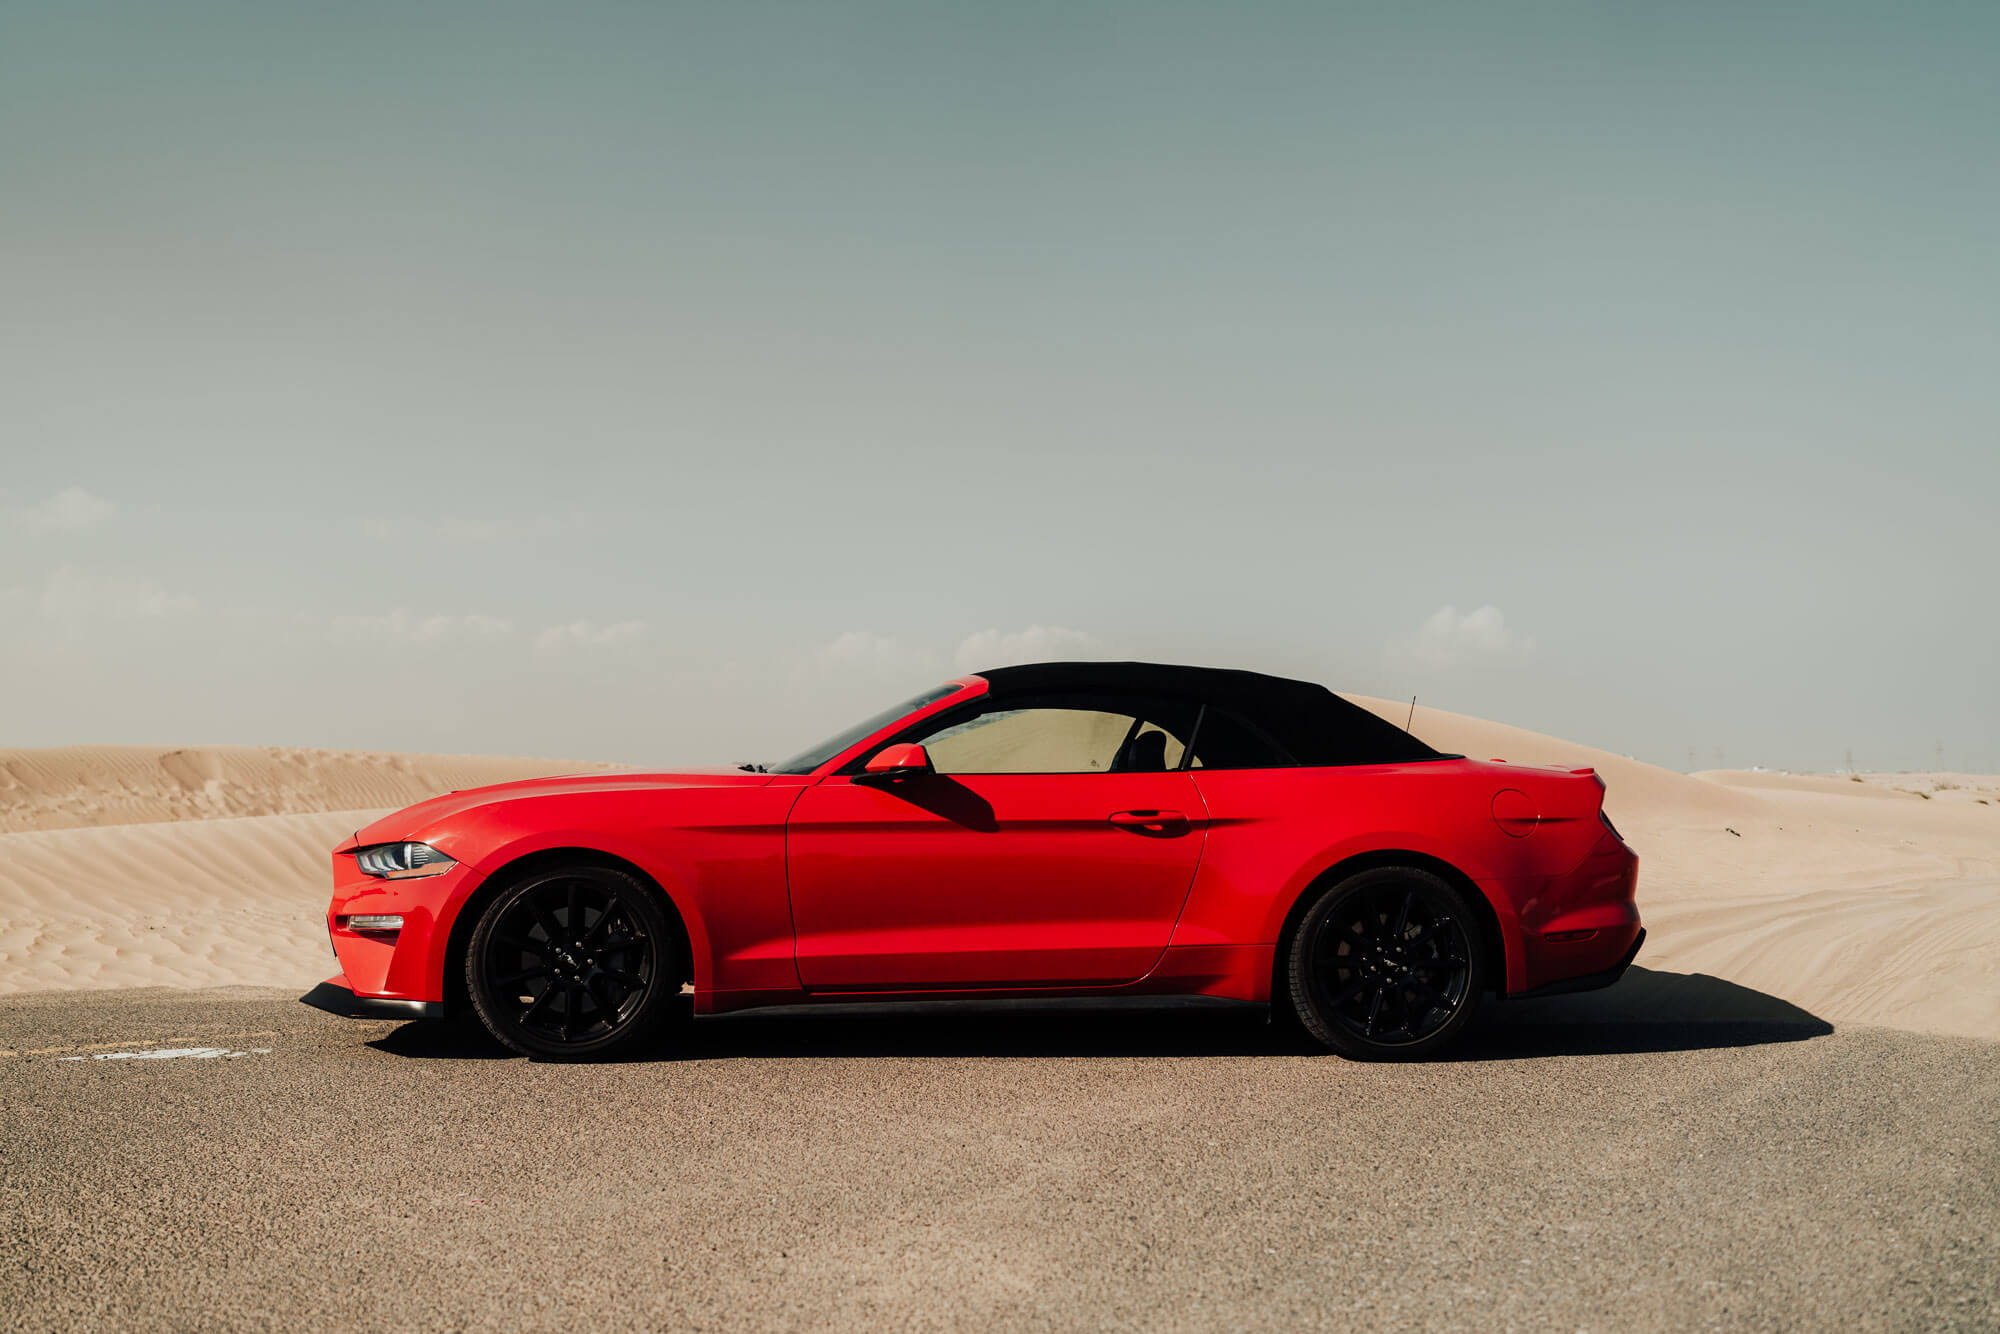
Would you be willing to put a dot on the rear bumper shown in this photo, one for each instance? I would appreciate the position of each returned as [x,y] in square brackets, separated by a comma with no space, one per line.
[335,996]
[1590,981]
[1581,925]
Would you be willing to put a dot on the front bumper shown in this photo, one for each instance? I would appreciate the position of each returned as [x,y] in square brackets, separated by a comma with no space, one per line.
[407,967]
[335,996]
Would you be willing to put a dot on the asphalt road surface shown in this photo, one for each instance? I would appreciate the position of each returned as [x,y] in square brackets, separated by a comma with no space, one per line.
[184,1160]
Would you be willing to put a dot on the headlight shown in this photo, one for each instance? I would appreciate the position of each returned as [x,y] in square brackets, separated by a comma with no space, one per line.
[402,861]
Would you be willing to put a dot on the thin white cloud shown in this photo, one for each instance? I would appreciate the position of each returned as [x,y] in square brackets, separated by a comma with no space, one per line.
[1448,638]
[463,531]
[410,627]
[587,634]
[1037,643]
[864,651]
[79,595]
[71,510]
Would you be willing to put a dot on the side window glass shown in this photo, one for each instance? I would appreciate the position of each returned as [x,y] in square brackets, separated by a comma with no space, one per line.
[1145,753]
[1030,741]
[1061,734]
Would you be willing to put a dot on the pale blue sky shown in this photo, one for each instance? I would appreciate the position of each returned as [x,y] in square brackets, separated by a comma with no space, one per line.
[676,382]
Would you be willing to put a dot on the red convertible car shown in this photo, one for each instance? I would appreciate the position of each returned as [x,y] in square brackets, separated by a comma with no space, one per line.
[1064,829]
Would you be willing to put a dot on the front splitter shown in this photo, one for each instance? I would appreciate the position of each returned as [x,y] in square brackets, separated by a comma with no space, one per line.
[336,997]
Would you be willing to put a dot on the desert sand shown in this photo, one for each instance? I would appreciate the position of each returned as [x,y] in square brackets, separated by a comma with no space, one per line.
[1870,899]
[133,866]
[1866,898]
[71,787]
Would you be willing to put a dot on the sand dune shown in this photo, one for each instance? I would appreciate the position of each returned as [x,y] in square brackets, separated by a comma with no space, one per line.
[1635,790]
[71,787]
[1920,956]
[193,904]
[194,866]
[1871,901]
[1733,834]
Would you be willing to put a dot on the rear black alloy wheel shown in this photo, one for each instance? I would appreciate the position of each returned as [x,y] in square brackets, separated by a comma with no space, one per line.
[1387,965]
[573,963]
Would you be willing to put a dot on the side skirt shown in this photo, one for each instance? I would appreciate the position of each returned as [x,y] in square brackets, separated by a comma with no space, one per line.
[1070,1004]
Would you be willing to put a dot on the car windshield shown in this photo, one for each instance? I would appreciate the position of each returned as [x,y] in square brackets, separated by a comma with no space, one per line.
[814,756]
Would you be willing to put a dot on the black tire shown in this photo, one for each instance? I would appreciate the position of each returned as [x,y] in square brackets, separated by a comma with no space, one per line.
[1387,965]
[575,963]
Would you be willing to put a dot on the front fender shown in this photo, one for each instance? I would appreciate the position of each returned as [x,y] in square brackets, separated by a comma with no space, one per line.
[496,859]
[717,853]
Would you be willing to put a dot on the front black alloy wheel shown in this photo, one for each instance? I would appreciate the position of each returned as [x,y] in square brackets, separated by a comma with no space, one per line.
[1387,964]
[574,963]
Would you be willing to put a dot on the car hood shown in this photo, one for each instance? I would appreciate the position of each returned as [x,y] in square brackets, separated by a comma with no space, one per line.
[425,815]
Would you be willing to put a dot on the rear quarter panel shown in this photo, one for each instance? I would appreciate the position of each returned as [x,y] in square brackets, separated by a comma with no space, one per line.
[1274,832]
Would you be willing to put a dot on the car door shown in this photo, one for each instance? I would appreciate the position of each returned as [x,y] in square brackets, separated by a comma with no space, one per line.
[1053,846]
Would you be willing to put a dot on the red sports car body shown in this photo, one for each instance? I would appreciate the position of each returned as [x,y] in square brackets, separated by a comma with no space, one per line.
[1061,829]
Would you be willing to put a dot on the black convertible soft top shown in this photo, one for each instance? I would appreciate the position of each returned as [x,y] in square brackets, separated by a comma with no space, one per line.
[1310,723]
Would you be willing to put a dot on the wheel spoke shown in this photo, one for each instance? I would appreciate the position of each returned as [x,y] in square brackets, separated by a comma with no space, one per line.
[544,918]
[539,1004]
[1351,990]
[1415,1015]
[1398,1001]
[602,995]
[573,910]
[1402,925]
[515,979]
[571,993]
[1437,997]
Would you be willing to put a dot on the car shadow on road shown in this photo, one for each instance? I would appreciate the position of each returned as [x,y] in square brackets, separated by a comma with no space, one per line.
[1646,1012]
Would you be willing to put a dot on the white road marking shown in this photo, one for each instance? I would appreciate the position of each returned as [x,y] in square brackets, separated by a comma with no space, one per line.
[137,1042]
[168,1054]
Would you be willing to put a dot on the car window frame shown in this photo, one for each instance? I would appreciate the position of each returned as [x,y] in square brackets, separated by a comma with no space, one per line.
[1256,733]
[971,690]
[940,719]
